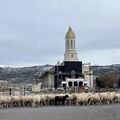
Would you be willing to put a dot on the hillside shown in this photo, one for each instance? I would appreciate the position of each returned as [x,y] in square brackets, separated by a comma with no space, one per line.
[24,74]
[32,74]
[98,70]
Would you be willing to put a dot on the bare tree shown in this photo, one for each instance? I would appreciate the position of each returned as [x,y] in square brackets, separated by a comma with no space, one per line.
[106,80]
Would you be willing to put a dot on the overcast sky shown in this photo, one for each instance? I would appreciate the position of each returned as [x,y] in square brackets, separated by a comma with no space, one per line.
[32,32]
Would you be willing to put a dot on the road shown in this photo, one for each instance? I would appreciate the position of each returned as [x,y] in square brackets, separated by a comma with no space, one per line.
[103,112]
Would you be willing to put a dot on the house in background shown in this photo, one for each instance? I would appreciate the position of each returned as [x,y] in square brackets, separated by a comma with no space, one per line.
[3,85]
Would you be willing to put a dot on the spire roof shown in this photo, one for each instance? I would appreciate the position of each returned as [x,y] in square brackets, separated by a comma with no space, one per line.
[70,34]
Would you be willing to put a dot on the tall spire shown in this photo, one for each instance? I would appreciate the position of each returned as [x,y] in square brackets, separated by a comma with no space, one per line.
[70,47]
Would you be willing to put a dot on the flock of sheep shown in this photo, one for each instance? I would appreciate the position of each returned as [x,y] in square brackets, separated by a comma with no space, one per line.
[60,99]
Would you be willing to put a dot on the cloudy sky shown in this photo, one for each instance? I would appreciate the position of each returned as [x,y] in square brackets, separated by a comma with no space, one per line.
[32,32]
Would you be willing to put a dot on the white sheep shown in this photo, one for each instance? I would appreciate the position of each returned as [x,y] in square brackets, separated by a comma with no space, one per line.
[36,100]
[3,101]
[71,100]
[117,97]
[49,99]
[82,99]
[94,99]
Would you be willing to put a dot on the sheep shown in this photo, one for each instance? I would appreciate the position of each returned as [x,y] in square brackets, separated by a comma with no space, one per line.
[71,100]
[36,101]
[60,99]
[82,99]
[51,99]
[15,101]
[117,97]
[107,97]
[44,99]
[3,101]
[110,97]
[94,99]
[27,101]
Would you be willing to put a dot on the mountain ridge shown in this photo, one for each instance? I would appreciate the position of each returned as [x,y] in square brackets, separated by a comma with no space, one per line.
[31,74]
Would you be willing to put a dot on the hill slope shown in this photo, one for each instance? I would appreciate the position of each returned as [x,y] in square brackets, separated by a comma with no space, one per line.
[31,74]
[24,74]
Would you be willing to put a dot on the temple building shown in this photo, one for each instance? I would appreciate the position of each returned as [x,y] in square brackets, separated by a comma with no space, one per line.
[71,72]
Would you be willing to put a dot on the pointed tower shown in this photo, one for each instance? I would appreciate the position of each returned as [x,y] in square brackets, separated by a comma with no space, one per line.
[70,48]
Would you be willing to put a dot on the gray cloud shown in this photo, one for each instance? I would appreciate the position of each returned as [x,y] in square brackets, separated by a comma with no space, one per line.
[32,32]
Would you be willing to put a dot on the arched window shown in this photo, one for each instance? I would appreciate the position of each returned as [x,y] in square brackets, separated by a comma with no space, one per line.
[80,83]
[71,44]
[75,83]
[70,83]
[67,44]
[73,73]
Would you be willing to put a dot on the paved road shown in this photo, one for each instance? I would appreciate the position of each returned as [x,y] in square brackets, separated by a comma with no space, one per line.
[103,112]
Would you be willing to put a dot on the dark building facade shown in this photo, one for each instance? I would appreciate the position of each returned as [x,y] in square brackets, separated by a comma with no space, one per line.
[68,69]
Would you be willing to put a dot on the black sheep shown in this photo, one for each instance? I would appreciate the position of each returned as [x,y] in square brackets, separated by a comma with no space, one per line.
[60,99]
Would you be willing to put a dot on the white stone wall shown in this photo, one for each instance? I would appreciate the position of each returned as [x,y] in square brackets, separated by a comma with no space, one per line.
[36,88]
[88,74]
[50,80]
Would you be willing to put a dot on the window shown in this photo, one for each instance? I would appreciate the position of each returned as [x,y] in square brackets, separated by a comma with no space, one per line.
[74,44]
[80,83]
[73,73]
[71,44]
[67,44]
[70,84]
[75,83]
